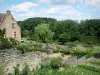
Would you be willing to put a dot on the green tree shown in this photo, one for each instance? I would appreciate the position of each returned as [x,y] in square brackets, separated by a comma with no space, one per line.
[64,37]
[43,33]
[2,32]
[67,30]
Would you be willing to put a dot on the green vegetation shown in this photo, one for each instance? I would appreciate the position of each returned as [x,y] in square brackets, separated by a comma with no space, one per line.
[65,30]
[1,69]
[43,33]
[55,63]
[91,39]
[96,49]
[5,43]
[2,32]
[52,69]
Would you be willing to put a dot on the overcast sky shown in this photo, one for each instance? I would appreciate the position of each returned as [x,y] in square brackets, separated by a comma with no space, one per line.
[59,9]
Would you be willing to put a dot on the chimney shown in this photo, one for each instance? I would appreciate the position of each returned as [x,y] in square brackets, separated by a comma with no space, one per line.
[8,12]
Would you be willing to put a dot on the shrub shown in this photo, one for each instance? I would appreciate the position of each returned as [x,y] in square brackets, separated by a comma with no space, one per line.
[16,70]
[66,51]
[56,50]
[97,55]
[5,44]
[89,55]
[71,44]
[22,48]
[26,70]
[78,53]
[13,41]
[88,50]
[55,63]
[1,69]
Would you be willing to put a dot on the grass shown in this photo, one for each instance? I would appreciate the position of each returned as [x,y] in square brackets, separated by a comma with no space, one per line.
[96,49]
[82,71]
[92,39]
[71,71]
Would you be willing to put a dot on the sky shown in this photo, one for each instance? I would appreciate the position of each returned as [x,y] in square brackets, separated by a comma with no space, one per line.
[58,9]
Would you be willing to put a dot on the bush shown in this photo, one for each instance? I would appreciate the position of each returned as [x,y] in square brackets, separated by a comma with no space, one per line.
[57,50]
[66,51]
[97,55]
[88,51]
[22,48]
[78,53]
[5,44]
[13,41]
[16,70]
[89,55]
[71,44]
[1,69]
[26,70]
[55,63]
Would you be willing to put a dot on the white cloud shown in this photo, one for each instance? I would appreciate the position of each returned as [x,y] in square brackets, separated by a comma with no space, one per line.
[59,12]
[65,12]
[72,1]
[57,2]
[92,2]
[45,1]
[23,7]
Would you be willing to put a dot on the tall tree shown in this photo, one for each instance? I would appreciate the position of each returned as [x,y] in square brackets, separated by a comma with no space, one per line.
[43,33]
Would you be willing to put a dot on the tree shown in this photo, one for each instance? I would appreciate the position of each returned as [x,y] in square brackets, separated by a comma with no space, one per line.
[2,32]
[43,33]
[64,37]
[67,30]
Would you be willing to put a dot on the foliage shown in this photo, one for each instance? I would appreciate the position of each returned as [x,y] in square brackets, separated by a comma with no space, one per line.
[26,70]
[5,44]
[71,44]
[57,50]
[64,37]
[31,23]
[89,55]
[46,69]
[67,30]
[16,70]
[22,48]
[1,69]
[90,27]
[55,63]
[2,32]
[95,62]
[89,39]
[96,49]
[90,68]
[43,33]
[97,55]
[13,41]
[79,53]
[66,51]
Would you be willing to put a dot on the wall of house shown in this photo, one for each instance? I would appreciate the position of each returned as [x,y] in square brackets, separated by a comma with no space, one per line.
[7,23]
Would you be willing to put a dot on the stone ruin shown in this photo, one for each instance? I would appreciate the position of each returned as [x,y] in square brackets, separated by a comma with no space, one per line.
[74,60]
[11,57]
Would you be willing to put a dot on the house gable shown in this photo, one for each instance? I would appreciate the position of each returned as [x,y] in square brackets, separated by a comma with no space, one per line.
[9,23]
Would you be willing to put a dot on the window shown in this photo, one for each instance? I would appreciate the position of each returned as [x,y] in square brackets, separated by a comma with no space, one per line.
[13,25]
[14,35]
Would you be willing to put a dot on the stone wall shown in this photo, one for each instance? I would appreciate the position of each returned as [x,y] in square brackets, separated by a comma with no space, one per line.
[74,60]
[11,57]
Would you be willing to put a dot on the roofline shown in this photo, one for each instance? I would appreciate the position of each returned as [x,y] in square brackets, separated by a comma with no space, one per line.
[2,19]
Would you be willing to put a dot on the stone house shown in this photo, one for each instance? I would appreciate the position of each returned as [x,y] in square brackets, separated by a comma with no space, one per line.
[8,22]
